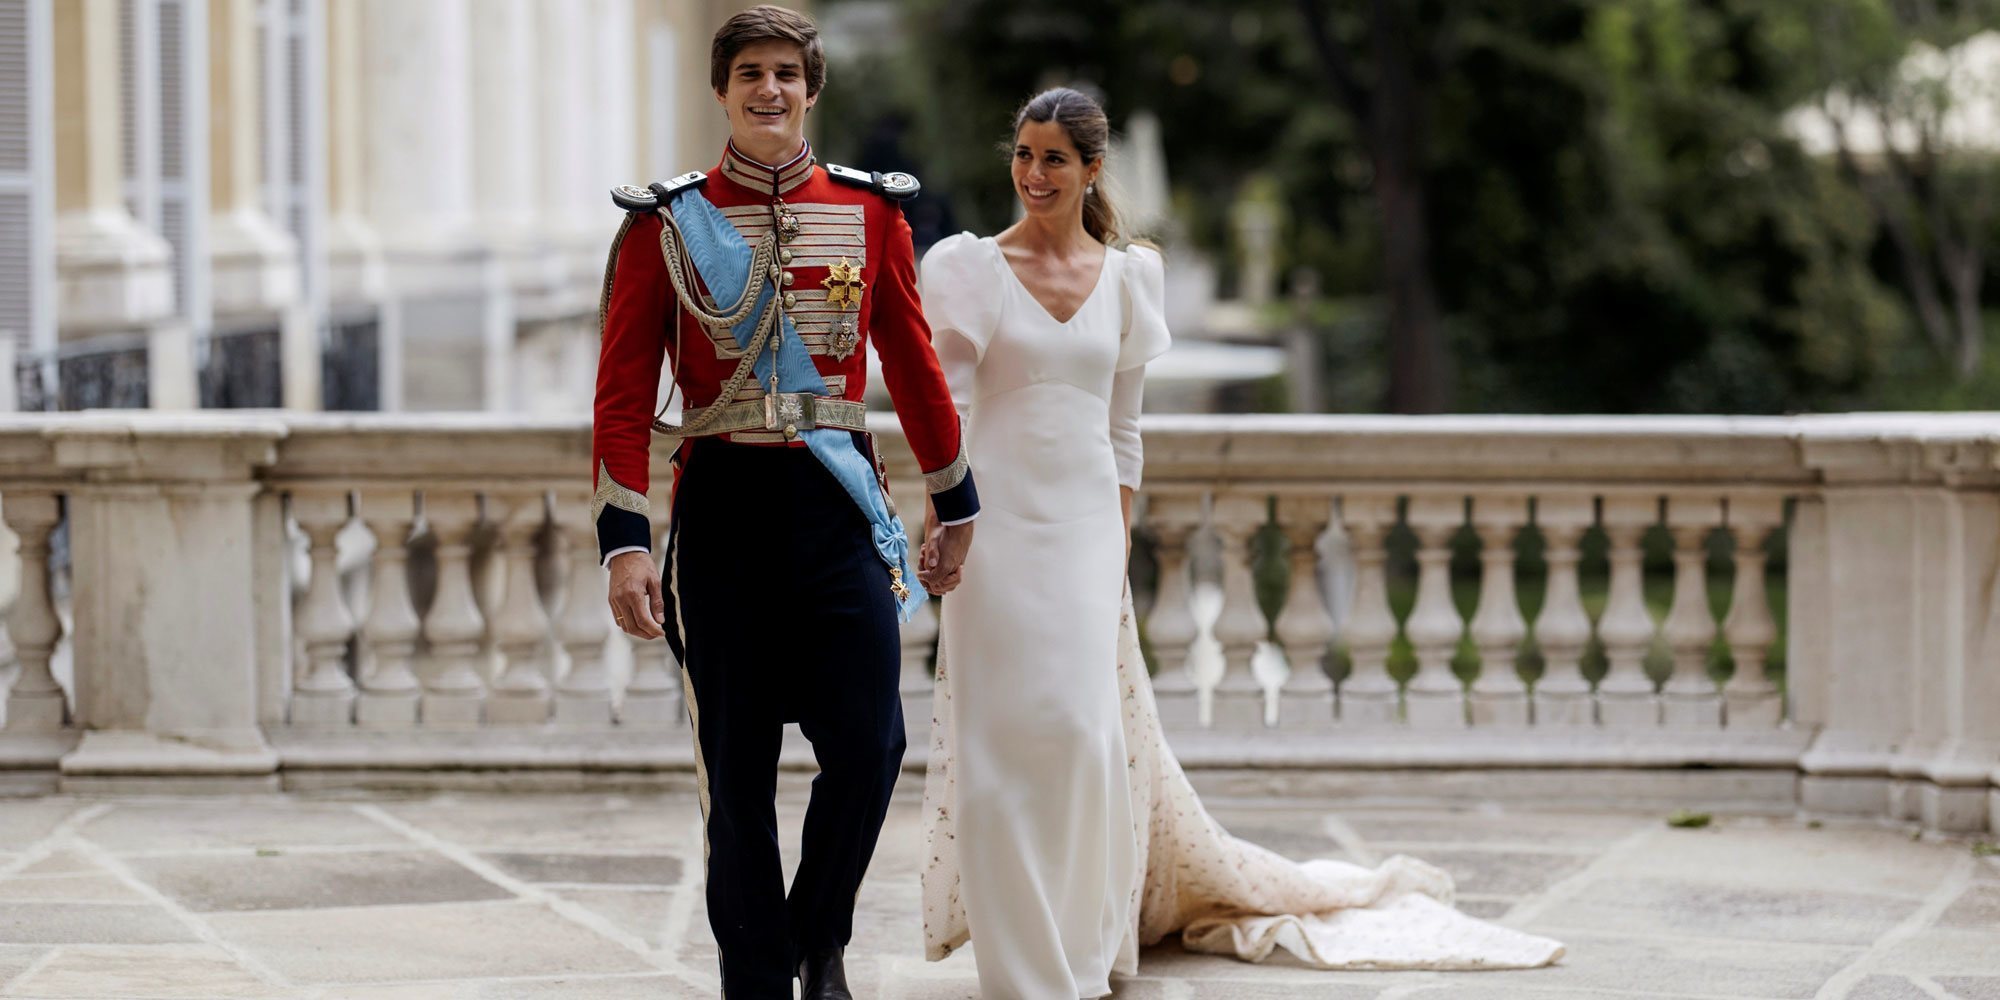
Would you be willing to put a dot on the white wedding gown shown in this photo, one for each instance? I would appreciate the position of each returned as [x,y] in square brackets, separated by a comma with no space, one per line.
[1062,832]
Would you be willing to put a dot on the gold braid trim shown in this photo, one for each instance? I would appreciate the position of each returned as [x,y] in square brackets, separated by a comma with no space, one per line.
[612,494]
[949,476]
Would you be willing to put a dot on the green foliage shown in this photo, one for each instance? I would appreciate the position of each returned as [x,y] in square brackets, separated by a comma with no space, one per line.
[1617,219]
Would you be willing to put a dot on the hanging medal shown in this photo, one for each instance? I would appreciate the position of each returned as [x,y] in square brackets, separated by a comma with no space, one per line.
[843,286]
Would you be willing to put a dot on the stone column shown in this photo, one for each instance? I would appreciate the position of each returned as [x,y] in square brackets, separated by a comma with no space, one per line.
[506,142]
[256,261]
[1690,698]
[112,273]
[1625,698]
[161,563]
[447,312]
[354,254]
[1750,700]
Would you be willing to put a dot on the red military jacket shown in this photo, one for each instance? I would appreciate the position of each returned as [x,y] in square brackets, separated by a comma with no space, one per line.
[849,239]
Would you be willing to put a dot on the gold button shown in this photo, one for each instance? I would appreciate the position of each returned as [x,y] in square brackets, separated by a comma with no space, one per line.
[791,432]
[785,256]
[787,279]
[791,300]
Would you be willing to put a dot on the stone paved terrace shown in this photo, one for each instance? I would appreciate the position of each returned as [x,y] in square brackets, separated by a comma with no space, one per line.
[598,896]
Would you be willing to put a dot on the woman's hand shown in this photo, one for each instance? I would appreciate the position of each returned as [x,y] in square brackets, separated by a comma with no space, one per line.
[939,574]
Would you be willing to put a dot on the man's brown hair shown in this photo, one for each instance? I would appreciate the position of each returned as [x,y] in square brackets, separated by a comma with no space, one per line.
[767,23]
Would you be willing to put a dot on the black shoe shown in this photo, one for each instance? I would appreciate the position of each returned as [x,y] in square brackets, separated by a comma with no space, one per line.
[823,977]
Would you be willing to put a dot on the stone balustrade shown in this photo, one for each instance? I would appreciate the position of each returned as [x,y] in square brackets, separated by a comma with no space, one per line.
[1571,609]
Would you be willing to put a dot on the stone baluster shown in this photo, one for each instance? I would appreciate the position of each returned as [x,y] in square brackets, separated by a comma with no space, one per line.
[324,696]
[653,694]
[583,698]
[454,692]
[1170,626]
[1368,696]
[35,703]
[519,626]
[1625,697]
[1238,697]
[389,688]
[1304,627]
[1498,696]
[1690,698]
[1750,700]
[1562,629]
[1435,698]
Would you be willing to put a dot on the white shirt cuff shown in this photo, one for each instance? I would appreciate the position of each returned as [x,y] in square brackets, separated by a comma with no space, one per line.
[615,553]
[962,520]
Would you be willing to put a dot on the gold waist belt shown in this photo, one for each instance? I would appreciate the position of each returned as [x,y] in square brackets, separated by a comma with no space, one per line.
[787,413]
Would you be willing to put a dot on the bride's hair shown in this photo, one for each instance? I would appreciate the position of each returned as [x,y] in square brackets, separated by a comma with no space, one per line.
[1090,131]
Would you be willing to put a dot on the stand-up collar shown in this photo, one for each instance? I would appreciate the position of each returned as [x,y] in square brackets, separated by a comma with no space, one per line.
[764,178]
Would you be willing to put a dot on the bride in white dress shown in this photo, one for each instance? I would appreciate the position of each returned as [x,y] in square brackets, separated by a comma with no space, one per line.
[1062,832]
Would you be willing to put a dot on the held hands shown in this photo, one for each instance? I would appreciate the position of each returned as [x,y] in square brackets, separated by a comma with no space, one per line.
[942,558]
[637,603]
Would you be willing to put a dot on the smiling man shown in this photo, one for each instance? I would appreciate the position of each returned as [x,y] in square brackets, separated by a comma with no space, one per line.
[787,568]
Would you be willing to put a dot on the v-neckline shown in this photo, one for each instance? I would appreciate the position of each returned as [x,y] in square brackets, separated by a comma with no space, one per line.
[1103,263]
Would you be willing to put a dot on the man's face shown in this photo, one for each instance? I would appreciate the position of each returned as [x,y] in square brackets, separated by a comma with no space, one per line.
[766,99]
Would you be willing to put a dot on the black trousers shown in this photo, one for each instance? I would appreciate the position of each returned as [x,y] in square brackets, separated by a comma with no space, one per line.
[780,611]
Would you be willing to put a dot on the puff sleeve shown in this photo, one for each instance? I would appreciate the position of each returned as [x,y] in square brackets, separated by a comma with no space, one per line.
[1145,293]
[960,295]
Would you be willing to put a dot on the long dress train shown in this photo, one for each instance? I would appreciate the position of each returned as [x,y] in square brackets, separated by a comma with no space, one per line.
[1224,895]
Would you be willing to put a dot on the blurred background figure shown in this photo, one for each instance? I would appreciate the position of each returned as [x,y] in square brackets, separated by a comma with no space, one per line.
[1397,205]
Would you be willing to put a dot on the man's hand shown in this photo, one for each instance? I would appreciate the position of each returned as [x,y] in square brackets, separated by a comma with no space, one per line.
[637,603]
[944,551]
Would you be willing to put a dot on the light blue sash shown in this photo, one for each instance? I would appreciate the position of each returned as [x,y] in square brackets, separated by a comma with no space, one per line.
[722,258]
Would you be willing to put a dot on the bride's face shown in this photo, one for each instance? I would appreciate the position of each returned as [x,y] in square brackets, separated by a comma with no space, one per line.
[1049,175]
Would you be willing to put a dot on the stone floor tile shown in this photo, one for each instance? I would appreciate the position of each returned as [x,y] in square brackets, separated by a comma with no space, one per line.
[439,941]
[889,920]
[194,972]
[63,861]
[641,913]
[274,822]
[649,987]
[1602,964]
[591,869]
[1577,830]
[1162,989]
[16,958]
[1886,988]
[1705,909]
[1169,960]
[1977,906]
[206,882]
[1486,909]
[1295,840]
[89,923]
[1457,988]
[555,823]
[1789,856]
[1946,952]
[1971,987]
[68,889]
[25,821]
[1505,873]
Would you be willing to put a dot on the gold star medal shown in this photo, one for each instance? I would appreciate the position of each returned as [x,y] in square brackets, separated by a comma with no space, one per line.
[843,291]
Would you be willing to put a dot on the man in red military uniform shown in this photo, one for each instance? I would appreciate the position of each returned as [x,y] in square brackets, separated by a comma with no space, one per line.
[761,281]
